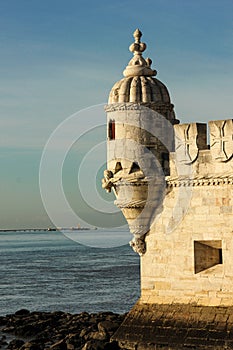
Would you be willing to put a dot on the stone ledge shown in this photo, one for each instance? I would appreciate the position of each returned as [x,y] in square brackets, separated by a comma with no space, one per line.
[176,327]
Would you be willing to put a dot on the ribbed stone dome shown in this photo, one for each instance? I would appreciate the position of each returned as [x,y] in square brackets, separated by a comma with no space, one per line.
[139,85]
[139,89]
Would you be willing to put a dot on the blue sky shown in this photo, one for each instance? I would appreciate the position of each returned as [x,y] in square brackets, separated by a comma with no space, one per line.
[58,57]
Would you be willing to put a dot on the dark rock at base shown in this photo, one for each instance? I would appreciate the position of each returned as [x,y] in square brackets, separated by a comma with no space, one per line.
[31,346]
[15,344]
[93,345]
[73,341]
[3,341]
[112,346]
[108,326]
[8,329]
[61,331]
[27,330]
[22,312]
[2,321]
[60,345]
[98,336]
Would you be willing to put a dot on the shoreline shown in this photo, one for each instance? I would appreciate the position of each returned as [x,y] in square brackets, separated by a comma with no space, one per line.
[38,330]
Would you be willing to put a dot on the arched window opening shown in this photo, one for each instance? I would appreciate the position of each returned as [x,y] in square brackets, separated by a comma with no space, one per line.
[111,130]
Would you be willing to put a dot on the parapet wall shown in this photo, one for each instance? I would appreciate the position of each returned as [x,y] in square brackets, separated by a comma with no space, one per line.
[189,255]
[195,159]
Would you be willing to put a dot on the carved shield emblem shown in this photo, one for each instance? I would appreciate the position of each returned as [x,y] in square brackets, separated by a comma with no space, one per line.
[221,139]
[186,142]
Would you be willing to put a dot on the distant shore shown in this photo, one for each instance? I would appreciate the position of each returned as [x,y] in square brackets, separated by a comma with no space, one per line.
[59,330]
[47,229]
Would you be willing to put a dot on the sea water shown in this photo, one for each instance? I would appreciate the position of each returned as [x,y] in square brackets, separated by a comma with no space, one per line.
[47,271]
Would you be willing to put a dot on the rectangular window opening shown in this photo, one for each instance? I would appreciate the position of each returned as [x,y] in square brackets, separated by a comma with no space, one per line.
[111,130]
[207,254]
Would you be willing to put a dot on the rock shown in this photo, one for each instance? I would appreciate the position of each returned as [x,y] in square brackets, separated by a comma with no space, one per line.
[60,345]
[70,347]
[93,345]
[98,335]
[27,330]
[3,341]
[84,332]
[3,344]
[61,331]
[31,346]
[3,321]
[108,326]
[112,346]
[15,344]
[73,341]
[8,329]
[22,312]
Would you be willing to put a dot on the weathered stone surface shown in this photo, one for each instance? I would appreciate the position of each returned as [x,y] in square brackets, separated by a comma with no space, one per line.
[221,141]
[176,326]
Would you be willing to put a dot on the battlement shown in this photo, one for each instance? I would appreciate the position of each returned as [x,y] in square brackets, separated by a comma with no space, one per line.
[195,160]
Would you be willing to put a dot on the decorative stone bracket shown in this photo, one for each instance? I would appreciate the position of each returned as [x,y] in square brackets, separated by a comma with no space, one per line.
[137,200]
[138,244]
[107,181]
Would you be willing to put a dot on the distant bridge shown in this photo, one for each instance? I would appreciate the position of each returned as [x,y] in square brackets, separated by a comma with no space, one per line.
[28,229]
[47,229]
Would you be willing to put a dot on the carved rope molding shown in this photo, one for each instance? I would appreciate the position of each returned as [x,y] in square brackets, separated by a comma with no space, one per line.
[200,181]
[137,106]
[134,203]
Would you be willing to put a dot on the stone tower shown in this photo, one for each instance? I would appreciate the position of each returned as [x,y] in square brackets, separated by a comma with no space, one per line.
[176,192]
[140,119]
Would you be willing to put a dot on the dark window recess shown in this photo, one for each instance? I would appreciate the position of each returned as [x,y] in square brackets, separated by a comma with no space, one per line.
[118,167]
[134,167]
[207,254]
[151,149]
[111,130]
[165,163]
[165,159]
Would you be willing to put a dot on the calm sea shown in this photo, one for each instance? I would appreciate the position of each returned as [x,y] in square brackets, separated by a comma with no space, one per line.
[46,271]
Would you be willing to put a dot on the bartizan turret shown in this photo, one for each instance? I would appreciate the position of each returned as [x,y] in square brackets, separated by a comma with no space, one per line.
[140,119]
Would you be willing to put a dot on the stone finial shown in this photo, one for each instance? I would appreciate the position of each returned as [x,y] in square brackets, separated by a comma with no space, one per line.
[137,46]
[138,66]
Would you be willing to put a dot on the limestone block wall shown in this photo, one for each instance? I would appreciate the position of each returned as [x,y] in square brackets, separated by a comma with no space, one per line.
[189,257]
